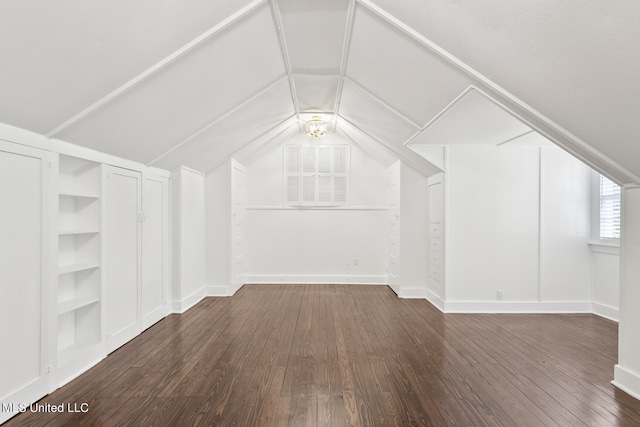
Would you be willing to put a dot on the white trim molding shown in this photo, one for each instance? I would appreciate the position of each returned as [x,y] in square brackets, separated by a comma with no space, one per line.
[514,307]
[271,279]
[626,381]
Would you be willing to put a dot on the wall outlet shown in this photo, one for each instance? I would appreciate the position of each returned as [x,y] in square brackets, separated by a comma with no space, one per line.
[356,262]
[499,295]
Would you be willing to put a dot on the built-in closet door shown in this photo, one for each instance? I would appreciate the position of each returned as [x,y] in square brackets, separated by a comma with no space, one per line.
[123,253]
[155,259]
[393,195]
[26,265]
[238,226]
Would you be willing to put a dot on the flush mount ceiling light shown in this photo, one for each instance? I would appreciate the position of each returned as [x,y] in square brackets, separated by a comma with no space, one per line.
[316,127]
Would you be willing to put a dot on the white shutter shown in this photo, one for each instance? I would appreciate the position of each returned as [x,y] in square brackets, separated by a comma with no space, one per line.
[609,209]
[340,175]
[316,175]
[309,166]
[324,182]
[292,175]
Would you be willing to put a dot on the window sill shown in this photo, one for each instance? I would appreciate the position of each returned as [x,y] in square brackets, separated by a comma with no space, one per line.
[611,248]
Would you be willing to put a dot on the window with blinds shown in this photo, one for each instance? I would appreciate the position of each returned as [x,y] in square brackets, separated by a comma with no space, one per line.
[609,209]
[316,175]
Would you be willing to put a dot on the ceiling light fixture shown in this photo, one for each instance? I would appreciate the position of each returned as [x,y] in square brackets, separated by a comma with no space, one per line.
[316,127]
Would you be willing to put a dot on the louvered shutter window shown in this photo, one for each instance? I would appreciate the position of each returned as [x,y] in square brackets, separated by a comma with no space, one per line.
[609,209]
[292,175]
[322,172]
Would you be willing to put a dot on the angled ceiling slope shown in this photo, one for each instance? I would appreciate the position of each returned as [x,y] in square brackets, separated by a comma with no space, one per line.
[195,84]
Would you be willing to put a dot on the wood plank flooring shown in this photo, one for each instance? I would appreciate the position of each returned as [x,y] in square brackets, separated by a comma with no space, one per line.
[351,356]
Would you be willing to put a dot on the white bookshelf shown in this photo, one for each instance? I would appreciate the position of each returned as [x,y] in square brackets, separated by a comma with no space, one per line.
[79,260]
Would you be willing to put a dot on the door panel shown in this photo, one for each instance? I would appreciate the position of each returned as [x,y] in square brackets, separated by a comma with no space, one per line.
[155,206]
[24,272]
[123,254]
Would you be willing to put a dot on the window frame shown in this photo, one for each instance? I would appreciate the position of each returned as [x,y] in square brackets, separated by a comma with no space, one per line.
[317,174]
[596,212]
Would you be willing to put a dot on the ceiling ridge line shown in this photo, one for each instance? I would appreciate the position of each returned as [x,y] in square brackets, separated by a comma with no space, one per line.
[441,113]
[224,24]
[218,119]
[381,102]
[391,147]
[282,122]
[515,106]
[346,48]
[277,18]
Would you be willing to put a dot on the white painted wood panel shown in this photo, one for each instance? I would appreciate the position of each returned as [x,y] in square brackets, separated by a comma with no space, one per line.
[25,263]
[492,240]
[123,244]
[238,227]
[155,242]
[565,257]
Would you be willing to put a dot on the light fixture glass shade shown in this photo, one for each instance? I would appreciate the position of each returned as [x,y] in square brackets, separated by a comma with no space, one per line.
[316,127]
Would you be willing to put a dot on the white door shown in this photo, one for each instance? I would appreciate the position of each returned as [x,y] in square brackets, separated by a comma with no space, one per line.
[155,234]
[26,245]
[123,243]
[393,179]
[238,226]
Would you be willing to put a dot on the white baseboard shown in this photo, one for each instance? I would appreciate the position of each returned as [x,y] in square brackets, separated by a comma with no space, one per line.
[435,300]
[412,293]
[627,381]
[186,303]
[518,307]
[315,280]
[606,311]
[216,291]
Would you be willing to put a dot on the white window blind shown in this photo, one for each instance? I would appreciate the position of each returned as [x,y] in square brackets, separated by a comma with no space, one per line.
[609,209]
[316,175]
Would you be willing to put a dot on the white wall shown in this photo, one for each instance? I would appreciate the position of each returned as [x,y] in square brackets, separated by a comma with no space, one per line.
[308,245]
[627,371]
[189,239]
[517,223]
[606,281]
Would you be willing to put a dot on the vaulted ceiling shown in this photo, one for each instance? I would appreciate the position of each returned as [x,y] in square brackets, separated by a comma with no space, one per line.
[195,82]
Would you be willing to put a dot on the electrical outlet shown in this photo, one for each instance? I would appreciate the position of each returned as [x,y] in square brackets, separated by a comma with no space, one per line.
[356,262]
[499,295]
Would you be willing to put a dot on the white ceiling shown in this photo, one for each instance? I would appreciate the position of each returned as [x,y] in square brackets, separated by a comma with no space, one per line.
[193,83]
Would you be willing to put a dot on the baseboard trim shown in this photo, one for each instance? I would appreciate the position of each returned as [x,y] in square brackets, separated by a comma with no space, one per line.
[606,311]
[315,280]
[627,381]
[518,307]
[179,307]
[435,300]
[216,291]
[412,293]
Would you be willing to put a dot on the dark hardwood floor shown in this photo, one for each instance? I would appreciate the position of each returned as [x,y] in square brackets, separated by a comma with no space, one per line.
[351,355]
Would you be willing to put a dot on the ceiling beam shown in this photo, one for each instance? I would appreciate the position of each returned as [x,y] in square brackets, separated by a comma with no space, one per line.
[414,160]
[279,129]
[381,102]
[346,46]
[231,20]
[277,20]
[217,120]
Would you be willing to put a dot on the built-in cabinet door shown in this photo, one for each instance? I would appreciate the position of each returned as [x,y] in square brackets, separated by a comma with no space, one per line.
[155,261]
[238,226]
[435,262]
[393,195]
[123,253]
[26,244]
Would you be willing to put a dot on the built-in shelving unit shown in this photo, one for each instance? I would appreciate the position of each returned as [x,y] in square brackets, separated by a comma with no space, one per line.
[79,308]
